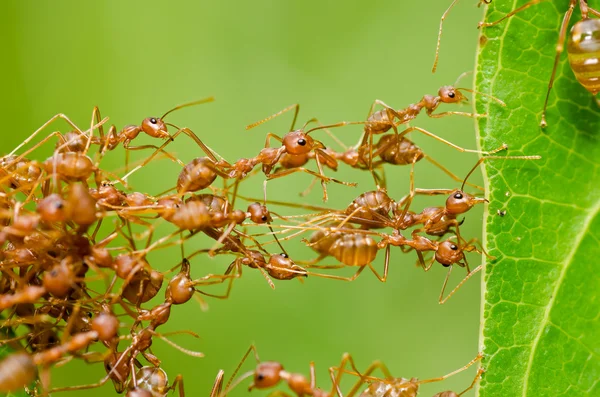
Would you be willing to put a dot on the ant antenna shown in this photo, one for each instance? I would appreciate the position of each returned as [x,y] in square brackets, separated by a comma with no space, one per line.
[501,103]
[185,105]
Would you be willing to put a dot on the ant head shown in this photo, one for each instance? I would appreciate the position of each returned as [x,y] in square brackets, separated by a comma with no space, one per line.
[153,379]
[155,127]
[266,375]
[449,94]
[298,142]
[259,213]
[281,267]
[106,325]
[52,208]
[460,202]
[60,279]
[448,253]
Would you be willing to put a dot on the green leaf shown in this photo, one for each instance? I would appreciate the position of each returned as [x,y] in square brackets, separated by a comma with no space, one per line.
[541,315]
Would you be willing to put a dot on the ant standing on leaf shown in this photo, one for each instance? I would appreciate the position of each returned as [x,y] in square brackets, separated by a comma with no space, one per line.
[583,46]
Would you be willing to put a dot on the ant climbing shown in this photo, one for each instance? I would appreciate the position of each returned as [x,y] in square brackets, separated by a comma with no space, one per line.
[582,47]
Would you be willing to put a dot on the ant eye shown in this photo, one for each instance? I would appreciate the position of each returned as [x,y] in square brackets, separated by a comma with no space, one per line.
[458,196]
[451,94]
[284,255]
[153,120]
[260,377]
[301,142]
[453,247]
[59,205]
[264,218]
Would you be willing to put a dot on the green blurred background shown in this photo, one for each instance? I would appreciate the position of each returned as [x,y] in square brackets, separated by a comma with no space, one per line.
[138,59]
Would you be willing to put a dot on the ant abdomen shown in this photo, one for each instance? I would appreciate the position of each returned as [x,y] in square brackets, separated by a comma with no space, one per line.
[368,204]
[403,153]
[354,249]
[583,49]
[153,380]
[196,175]
[16,371]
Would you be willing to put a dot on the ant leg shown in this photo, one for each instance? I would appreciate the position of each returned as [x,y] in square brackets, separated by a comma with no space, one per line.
[513,12]
[329,267]
[559,49]
[346,358]
[480,371]
[594,12]
[37,145]
[313,173]
[230,384]
[441,378]
[176,346]
[439,38]
[209,152]
[464,280]
[218,385]
[221,238]
[367,375]
[296,108]
[407,200]
[450,174]
[164,152]
[227,292]
[460,149]
[481,160]
[351,278]
[46,124]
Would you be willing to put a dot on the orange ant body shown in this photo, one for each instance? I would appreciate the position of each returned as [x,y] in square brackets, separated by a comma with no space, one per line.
[23,367]
[391,386]
[296,147]
[358,249]
[153,382]
[269,374]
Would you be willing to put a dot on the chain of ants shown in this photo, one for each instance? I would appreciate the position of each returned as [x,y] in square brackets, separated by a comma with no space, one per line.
[51,237]
[54,214]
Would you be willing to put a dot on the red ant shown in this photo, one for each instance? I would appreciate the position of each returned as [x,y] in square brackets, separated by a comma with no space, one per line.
[391,386]
[582,47]
[270,373]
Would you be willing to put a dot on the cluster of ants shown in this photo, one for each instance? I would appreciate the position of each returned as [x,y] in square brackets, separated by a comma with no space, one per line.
[62,218]
[52,236]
